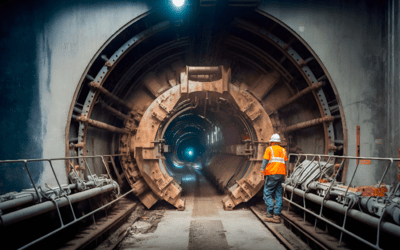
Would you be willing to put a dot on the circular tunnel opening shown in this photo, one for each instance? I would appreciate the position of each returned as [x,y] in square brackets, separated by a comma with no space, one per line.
[186,138]
[197,138]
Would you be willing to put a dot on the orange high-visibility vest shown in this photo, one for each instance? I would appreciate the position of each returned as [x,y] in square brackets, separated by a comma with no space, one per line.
[276,155]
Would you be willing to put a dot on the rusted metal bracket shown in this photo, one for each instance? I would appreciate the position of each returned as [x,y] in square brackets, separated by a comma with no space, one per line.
[255,115]
[77,145]
[248,105]
[157,116]
[100,125]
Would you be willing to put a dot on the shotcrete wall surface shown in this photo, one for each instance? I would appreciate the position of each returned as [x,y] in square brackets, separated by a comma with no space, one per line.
[67,43]
[47,46]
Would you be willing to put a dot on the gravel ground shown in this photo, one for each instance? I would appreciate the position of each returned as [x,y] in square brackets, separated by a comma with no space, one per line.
[139,223]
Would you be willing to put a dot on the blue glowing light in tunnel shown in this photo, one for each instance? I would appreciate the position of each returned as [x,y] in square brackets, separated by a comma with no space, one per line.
[177,165]
[190,154]
[178,3]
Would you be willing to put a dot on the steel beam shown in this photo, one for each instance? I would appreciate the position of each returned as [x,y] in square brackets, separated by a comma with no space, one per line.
[100,125]
[297,96]
[308,124]
[96,86]
[113,111]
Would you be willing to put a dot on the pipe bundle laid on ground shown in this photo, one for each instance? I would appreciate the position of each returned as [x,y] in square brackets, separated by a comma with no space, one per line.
[387,227]
[47,206]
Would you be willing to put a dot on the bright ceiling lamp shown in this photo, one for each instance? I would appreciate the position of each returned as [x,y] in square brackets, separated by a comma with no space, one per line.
[178,3]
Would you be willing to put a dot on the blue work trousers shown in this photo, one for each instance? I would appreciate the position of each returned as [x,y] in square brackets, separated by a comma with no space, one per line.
[273,184]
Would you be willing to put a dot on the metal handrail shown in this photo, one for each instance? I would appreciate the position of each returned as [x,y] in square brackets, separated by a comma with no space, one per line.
[319,216]
[79,219]
[25,161]
[59,158]
[62,193]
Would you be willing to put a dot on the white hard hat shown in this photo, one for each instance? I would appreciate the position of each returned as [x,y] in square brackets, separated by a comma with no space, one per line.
[275,138]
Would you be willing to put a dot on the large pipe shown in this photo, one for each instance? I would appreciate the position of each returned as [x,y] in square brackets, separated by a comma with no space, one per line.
[308,124]
[297,96]
[98,87]
[18,201]
[371,205]
[47,206]
[100,125]
[371,221]
[31,197]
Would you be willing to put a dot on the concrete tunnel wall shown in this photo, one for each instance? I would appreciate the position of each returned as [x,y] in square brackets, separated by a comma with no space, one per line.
[352,40]
[49,45]
[46,47]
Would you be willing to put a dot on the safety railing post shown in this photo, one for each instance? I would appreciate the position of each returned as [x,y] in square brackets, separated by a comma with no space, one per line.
[90,172]
[33,183]
[320,177]
[349,205]
[394,190]
[70,205]
[330,187]
[304,195]
[105,166]
[58,211]
[384,208]
[386,170]
[298,159]
[351,181]
[55,176]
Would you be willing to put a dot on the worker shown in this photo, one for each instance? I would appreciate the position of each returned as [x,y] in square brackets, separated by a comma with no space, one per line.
[273,167]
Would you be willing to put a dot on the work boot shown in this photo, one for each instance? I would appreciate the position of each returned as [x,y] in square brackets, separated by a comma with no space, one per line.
[276,219]
[268,217]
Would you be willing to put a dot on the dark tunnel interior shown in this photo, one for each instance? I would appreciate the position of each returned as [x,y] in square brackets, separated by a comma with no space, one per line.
[196,137]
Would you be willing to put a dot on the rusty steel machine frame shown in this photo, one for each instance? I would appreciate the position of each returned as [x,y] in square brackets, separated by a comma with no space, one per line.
[142,156]
[144,165]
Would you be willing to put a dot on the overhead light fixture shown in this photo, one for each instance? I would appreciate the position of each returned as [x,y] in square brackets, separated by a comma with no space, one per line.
[178,3]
